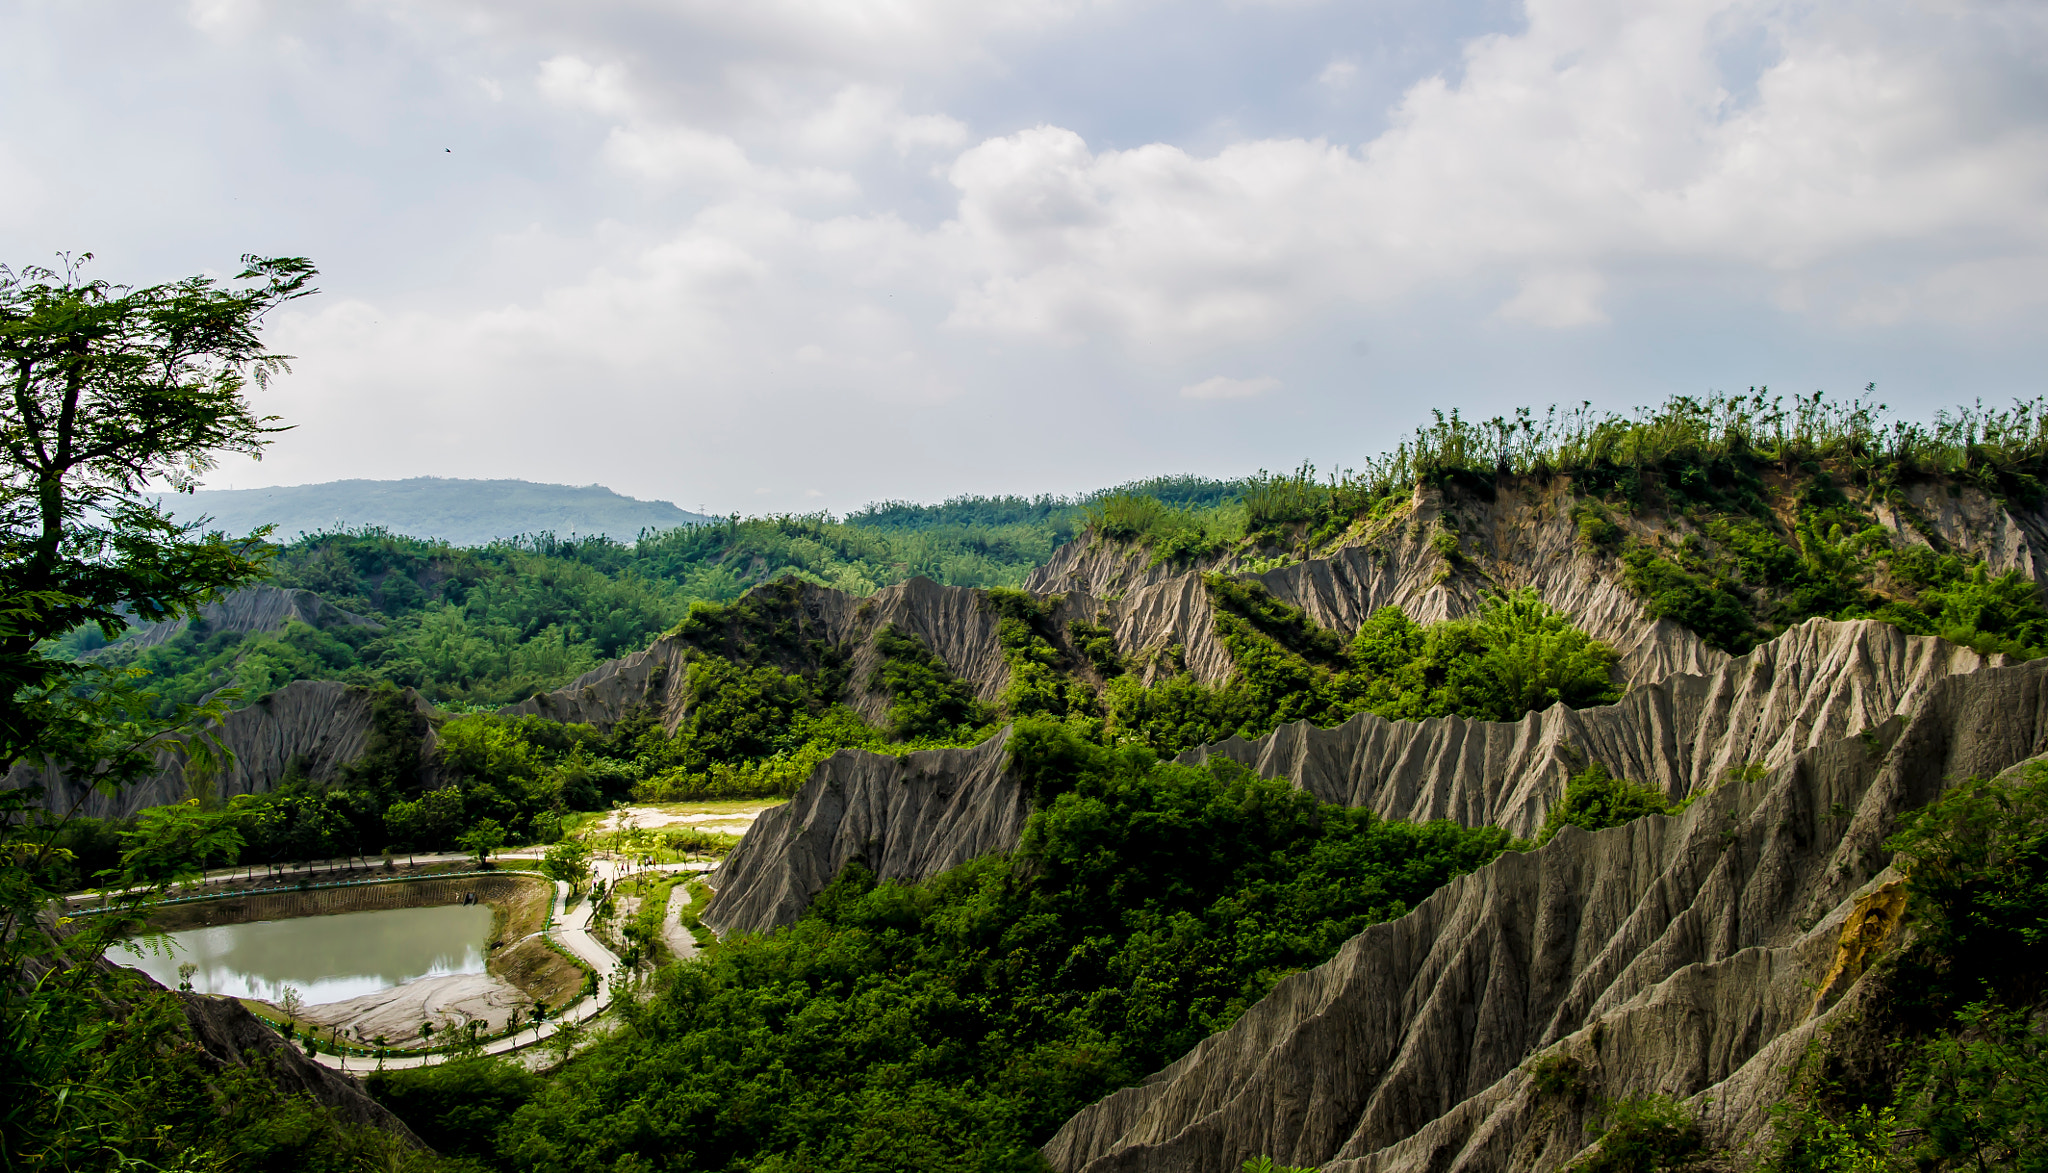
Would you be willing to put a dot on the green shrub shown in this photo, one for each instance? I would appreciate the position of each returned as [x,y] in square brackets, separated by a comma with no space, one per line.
[1038,687]
[456,1106]
[1643,1136]
[926,701]
[1597,529]
[1098,644]
[1266,1165]
[1976,861]
[1595,800]
[1515,655]
[1558,1076]
[1708,608]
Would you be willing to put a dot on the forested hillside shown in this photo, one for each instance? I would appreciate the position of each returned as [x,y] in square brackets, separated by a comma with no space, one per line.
[1469,610]
[492,624]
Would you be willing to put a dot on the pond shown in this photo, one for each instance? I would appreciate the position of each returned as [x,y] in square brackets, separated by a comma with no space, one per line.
[325,958]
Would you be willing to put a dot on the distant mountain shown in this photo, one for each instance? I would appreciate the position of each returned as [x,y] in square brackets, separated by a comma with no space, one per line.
[462,513]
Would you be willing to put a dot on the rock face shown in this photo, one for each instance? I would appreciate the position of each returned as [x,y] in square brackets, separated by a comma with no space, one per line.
[1683,734]
[233,1037]
[321,722]
[253,609]
[954,622]
[906,818]
[1692,955]
[1519,540]
[1815,684]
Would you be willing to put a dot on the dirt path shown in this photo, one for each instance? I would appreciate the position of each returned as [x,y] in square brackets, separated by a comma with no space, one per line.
[682,944]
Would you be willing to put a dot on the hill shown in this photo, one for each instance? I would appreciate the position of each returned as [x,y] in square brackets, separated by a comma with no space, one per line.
[458,512]
[1548,795]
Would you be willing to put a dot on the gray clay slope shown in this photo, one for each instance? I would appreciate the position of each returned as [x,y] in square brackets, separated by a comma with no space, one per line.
[1689,955]
[1798,691]
[1817,683]
[323,723]
[258,609]
[907,818]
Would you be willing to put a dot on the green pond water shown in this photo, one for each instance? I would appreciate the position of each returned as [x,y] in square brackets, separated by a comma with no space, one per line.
[325,958]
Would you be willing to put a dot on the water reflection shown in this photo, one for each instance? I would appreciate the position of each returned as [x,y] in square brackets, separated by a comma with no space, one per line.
[326,958]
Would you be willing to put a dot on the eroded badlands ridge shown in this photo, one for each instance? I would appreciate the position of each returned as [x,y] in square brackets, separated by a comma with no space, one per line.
[907,818]
[1818,683]
[1693,955]
[323,723]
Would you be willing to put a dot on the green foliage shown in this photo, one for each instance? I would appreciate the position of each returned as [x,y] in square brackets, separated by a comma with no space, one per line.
[1811,1141]
[1265,1165]
[1971,1090]
[1981,1091]
[1709,449]
[492,625]
[1038,687]
[954,1024]
[1595,800]
[175,843]
[925,700]
[1744,577]
[1538,659]
[1977,867]
[390,762]
[482,839]
[1098,644]
[1706,606]
[112,389]
[1597,529]
[1063,514]
[1514,656]
[1175,534]
[567,862]
[1643,1136]
[456,1106]
[1963,603]
[1558,1075]
[87,1091]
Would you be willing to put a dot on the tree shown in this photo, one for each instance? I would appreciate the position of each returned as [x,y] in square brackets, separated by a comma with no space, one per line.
[172,844]
[110,392]
[568,862]
[115,390]
[481,840]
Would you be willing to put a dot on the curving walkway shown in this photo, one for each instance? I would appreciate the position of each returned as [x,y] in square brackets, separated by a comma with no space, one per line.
[571,930]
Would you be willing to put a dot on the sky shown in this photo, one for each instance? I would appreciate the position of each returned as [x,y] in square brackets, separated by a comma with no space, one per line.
[806,254]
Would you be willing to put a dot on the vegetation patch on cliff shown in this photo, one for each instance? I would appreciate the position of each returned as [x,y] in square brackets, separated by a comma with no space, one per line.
[953,1024]
[1516,655]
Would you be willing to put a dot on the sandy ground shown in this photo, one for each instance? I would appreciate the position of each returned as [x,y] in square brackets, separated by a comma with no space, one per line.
[648,818]
[397,1013]
[681,943]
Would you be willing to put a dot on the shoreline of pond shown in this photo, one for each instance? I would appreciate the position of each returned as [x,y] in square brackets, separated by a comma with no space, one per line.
[516,951]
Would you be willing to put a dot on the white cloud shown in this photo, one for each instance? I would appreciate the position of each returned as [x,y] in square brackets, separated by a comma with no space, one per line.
[1603,138]
[1558,299]
[763,214]
[601,89]
[928,131]
[1223,387]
